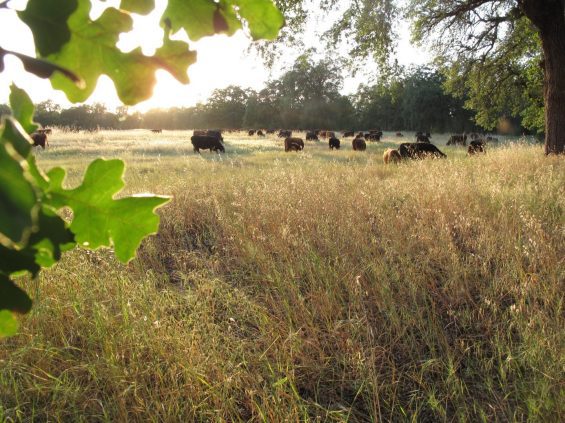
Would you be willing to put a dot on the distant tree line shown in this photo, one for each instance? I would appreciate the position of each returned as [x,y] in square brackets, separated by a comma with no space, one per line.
[306,96]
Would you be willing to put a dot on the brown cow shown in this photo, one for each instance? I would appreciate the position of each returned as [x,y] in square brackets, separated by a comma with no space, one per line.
[359,144]
[391,156]
[39,139]
[293,144]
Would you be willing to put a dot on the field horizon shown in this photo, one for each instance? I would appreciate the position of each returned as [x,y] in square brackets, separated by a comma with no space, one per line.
[312,286]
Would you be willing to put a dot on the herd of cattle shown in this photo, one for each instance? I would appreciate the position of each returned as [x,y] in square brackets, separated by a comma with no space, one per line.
[212,140]
[422,147]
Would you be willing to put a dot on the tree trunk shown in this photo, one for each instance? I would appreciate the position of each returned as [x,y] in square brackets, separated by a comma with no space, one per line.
[549,17]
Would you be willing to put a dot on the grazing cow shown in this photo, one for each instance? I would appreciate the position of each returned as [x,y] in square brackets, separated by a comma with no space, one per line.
[476,147]
[270,131]
[399,134]
[206,142]
[285,133]
[334,143]
[457,139]
[260,133]
[348,134]
[293,144]
[374,136]
[157,131]
[215,133]
[359,144]
[39,139]
[419,150]
[251,132]
[391,156]
[311,136]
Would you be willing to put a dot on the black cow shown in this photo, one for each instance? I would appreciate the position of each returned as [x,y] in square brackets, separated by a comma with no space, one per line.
[284,133]
[39,139]
[260,133]
[206,142]
[157,131]
[457,139]
[419,150]
[334,143]
[251,132]
[215,133]
[311,136]
[374,136]
[476,146]
[359,144]
[270,131]
[399,134]
[293,144]
[348,134]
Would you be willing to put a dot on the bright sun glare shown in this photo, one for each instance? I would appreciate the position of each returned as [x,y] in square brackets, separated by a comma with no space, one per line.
[221,61]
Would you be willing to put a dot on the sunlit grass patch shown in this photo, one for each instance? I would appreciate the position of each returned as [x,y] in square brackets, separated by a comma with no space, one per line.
[301,286]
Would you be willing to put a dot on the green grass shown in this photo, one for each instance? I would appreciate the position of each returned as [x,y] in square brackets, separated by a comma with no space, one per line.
[311,286]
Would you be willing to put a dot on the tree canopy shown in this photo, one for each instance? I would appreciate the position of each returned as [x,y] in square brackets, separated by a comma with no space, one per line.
[502,57]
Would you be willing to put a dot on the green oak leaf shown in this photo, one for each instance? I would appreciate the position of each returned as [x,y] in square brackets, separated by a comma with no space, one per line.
[22,108]
[22,144]
[101,220]
[12,297]
[18,199]
[13,134]
[200,18]
[262,16]
[142,7]
[47,20]
[8,324]
[50,239]
[92,52]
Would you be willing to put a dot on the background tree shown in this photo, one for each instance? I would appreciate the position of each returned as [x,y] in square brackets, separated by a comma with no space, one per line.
[484,47]
[226,107]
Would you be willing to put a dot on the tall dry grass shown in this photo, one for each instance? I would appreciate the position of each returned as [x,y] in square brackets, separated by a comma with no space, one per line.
[314,286]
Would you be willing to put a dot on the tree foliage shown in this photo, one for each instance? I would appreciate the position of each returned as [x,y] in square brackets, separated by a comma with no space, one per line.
[74,51]
[412,100]
[490,51]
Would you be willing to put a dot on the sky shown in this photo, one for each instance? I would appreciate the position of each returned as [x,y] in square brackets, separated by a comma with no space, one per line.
[221,61]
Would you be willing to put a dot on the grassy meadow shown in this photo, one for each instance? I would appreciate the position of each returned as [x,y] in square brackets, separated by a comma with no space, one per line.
[314,286]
